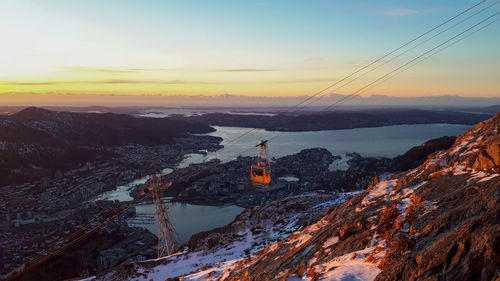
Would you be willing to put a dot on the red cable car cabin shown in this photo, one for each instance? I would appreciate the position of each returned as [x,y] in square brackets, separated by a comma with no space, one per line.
[260,173]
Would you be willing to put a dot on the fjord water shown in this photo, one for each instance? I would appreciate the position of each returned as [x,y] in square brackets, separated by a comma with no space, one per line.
[387,141]
[187,219]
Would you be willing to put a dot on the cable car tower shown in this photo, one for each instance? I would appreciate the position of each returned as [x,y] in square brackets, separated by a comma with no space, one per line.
[167,236]
[260,173]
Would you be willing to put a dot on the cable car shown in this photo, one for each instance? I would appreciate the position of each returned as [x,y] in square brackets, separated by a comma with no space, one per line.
[260,173]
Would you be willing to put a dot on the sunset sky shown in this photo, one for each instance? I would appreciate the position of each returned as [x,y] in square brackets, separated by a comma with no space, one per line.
[261,48]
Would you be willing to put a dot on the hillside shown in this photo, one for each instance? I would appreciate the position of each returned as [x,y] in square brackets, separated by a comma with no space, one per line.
[309,121]
[37,142]
[438,221]
[40,126]
[418,154]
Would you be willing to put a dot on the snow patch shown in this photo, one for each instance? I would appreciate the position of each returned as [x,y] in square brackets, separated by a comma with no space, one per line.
[406,191]
[340,164]
[382,188]
[385,176]
[489,178]
[301,255]
[403,206]
[465,142]
[294,278]
[430,206]
[302,238]
[331,241]
[351,266]
[459,169]
[352,272]
[481,177]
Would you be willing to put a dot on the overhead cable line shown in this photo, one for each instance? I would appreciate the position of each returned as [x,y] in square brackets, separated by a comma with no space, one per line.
[415,59]
[366,66]
[76,240]
[434,53]
[402,53]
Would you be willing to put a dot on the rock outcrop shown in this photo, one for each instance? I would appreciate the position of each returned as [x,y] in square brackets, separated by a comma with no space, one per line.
[418,154]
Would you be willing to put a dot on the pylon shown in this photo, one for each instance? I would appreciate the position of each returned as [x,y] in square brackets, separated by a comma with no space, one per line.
[167,236]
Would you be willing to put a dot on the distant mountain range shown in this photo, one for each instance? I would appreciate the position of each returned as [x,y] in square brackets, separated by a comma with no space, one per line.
[231,100]
[353,101]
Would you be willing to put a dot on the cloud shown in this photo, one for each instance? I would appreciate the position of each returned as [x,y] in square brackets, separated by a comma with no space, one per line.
[152,69]
[117,81]
[207,70]
[134,81]
[155,81]
[96,70]
[108,81]
[132,70]
[244,70]
[293,81]
[314,59]
[32,83]
[398,12]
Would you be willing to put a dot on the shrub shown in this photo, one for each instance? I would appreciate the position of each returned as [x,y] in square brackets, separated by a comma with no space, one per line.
[396,249]
[386,221]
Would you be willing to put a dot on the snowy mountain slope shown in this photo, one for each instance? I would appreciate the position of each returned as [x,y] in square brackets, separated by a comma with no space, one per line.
[211,252]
